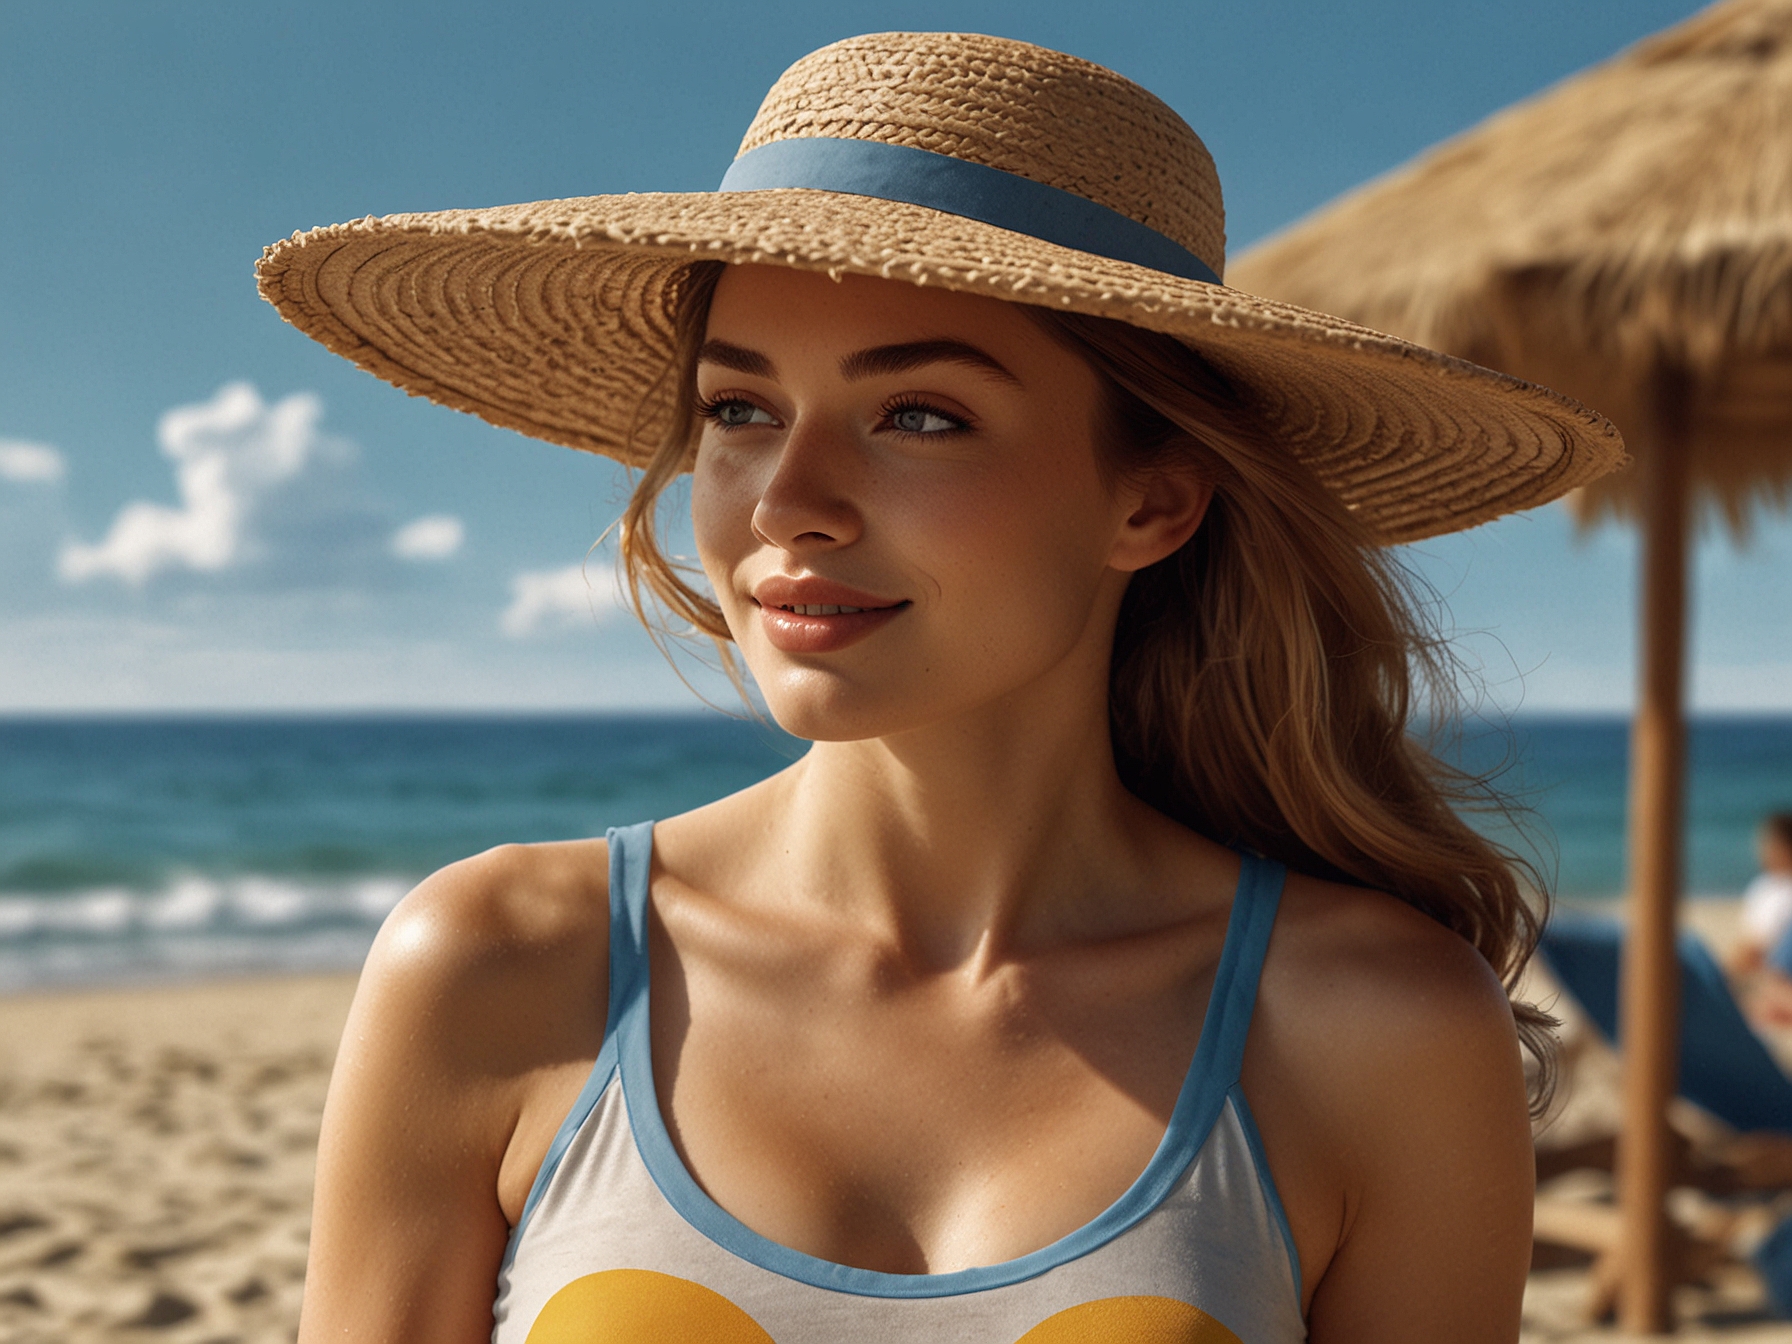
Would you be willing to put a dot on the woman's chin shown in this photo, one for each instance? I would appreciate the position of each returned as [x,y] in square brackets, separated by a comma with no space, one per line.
[801,716]
[822,707]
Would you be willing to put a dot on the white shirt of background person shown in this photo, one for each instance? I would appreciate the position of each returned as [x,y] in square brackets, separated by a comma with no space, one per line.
[1767,907]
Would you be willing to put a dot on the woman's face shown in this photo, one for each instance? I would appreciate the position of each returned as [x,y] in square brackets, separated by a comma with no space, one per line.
[897,500]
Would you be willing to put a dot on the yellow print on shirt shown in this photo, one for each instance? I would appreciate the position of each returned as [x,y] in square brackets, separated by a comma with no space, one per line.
[639,1306]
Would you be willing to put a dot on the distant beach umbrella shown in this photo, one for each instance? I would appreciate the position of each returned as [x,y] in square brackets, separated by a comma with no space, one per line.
[1624,237]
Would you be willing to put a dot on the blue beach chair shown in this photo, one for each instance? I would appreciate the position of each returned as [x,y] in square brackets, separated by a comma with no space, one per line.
[1724,1067]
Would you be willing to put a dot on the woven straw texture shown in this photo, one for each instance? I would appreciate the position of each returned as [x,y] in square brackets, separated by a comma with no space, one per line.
[553,318]
[1638,214]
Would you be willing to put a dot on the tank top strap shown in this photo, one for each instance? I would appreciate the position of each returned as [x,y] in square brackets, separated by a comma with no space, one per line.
[1219,1056]
[631,860]
[631,864]
[1234,995]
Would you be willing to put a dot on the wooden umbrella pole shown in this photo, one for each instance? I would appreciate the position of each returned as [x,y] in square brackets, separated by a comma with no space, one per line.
[1650,1001]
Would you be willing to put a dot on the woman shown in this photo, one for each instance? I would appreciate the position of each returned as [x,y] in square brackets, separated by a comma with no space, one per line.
[1113,966]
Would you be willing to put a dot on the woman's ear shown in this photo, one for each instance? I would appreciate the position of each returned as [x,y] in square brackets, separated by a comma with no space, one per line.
[1169,506]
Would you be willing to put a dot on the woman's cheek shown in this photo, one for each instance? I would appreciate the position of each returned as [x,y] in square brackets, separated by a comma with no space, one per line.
[722,526]
[950,516]
[1007,533]
[983,557]
[721,506]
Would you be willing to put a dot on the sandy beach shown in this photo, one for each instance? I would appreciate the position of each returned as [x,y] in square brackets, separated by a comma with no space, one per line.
[157,1147]
[156,1154]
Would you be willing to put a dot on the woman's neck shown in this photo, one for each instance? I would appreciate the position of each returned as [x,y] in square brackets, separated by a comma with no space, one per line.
[974,839]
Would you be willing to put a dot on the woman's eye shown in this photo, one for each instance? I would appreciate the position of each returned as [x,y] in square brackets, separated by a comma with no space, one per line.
[920,420]
[737,413]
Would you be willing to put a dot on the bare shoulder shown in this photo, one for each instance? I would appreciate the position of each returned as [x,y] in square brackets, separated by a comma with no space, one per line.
[1385,1075]
[479,1008]
[508,900]
[1378,980]
[487,952]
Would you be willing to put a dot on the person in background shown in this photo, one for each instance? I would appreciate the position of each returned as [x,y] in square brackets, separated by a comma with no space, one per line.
[1765,950]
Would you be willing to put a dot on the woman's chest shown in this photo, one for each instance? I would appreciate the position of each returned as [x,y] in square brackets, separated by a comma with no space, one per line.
[920,1132]
[623,1244]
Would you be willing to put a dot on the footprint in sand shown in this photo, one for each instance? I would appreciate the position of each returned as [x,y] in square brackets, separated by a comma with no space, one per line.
[164,1310]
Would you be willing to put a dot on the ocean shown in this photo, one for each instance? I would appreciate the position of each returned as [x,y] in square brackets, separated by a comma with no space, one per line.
[136,849]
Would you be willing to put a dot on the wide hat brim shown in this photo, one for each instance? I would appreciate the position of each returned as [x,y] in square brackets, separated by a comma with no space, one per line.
[554,319]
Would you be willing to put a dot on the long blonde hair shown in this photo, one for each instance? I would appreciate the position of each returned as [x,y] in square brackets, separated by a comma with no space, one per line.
[1265,677]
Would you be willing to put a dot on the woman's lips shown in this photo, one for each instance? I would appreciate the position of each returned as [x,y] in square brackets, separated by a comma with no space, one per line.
[821,627]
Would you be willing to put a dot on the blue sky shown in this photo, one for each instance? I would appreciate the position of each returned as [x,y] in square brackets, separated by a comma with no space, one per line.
[200,509]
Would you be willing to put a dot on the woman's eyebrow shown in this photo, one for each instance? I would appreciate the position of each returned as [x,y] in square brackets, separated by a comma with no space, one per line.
[869,363]
[888,359]
[736,357]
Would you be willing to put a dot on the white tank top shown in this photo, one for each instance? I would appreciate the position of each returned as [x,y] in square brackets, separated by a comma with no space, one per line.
[618,1244]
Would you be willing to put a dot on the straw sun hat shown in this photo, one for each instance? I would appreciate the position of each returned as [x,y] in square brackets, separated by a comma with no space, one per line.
[973,163]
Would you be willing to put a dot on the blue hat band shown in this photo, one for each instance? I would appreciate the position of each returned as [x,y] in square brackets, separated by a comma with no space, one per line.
[970,190]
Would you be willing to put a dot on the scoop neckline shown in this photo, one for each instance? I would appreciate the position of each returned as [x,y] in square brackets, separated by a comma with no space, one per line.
[1201,1098]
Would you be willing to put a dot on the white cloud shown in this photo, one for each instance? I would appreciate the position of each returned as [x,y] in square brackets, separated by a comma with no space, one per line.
[435,536]
[30,463]
[554,599]
[228,452]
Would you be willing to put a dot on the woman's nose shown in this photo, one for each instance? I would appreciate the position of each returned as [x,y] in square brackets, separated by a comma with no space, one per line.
[804,505]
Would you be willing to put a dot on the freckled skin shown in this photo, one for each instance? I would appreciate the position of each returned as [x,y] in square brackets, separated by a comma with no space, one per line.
[999,538]
[924,999]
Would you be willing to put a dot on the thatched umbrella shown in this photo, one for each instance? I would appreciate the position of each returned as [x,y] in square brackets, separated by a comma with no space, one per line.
[1625,237]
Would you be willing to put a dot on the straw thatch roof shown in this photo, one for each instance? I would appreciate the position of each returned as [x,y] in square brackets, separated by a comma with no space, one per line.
[1634,216]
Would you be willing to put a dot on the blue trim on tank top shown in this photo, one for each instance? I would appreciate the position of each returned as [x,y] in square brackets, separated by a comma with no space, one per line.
[599,1080]
[1212,1073]
[622,961]
[1271,1196]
